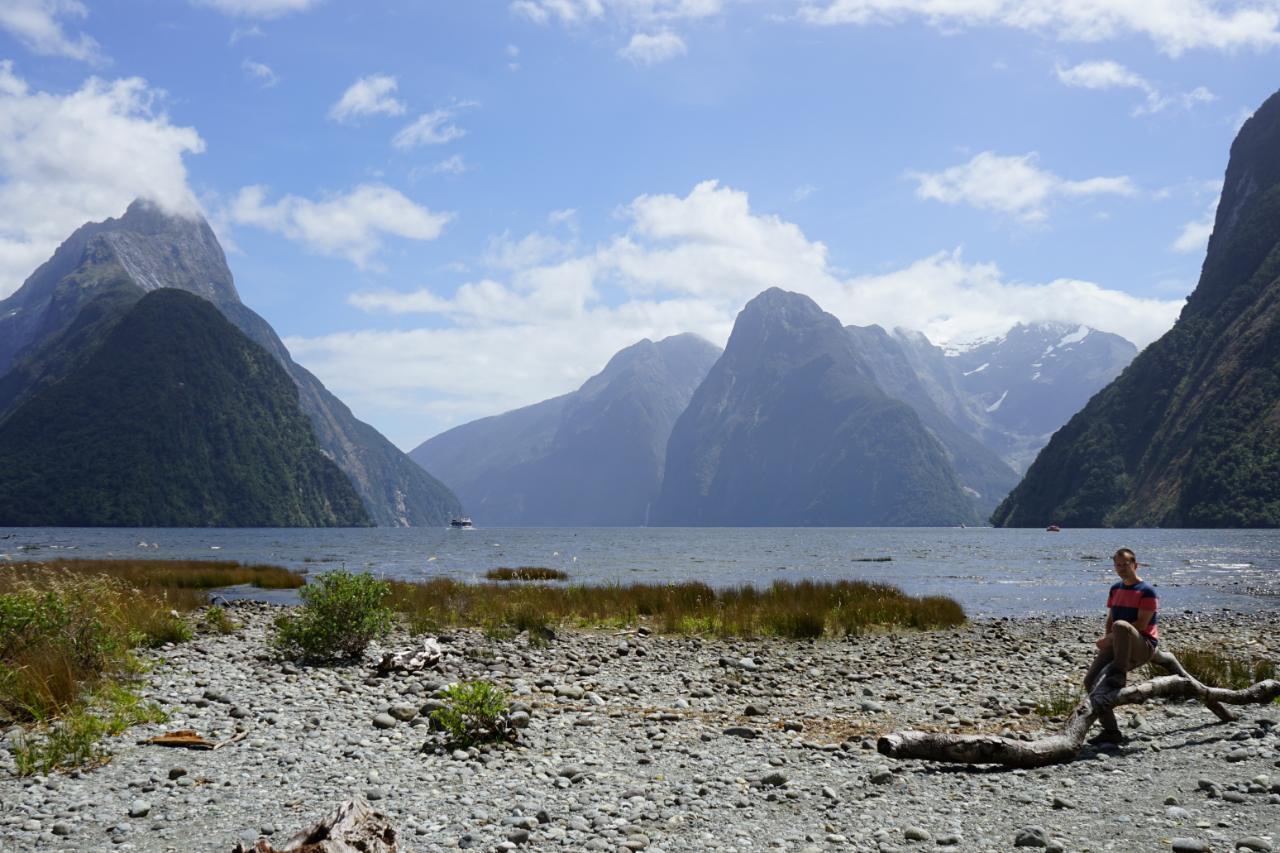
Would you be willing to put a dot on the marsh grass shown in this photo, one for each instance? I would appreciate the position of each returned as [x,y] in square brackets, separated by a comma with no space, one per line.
[162,574]
[799,610]
[216,621]
[527,573]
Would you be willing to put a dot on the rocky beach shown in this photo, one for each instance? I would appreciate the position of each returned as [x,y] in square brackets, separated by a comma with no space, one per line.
[636,741]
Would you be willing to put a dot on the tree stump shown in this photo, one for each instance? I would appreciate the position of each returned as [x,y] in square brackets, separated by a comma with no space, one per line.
[1064,746]
[352,828]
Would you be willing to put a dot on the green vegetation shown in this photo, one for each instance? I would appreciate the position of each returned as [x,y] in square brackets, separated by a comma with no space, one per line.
[475,712]
[173,418]
[68,633]
[73,740]
[799,610]
[526,573]
[341,614]
[1217,668]
[1059,701]
[216,621]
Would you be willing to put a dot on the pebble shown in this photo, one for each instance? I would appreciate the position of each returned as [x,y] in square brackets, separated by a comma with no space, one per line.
[1189,845]
[384,721]
[139,808]
[663,764]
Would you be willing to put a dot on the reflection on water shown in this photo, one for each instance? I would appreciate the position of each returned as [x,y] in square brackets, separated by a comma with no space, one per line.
[991,572]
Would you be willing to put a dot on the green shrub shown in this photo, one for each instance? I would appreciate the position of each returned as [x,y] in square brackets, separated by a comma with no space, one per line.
[1217,668]
[341,614]
[527,573]
[216,621]
[475,712]
[73,740]
[1059,702]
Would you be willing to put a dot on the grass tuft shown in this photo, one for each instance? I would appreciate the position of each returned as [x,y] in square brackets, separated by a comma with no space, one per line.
[526,573]
[799,610]
[1217,668]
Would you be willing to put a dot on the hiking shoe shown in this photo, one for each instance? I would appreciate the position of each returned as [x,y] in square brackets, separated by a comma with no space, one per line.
[1109,737]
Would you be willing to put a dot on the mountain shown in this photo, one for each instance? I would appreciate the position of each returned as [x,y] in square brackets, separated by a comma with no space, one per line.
[1012,392]
[171,417]
[983,474]
[1189,434]
[104,267]
[591,457]
[790,427]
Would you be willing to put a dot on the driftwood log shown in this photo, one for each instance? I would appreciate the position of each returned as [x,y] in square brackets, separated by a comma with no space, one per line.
[352,828]
[1064,746]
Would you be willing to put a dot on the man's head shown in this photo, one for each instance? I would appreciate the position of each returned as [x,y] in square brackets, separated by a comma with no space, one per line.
[1126,564]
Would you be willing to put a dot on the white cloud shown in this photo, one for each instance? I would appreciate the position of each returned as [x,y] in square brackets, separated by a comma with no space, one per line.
[250,32]
[574,12]
[258,8]
[1106,74]
[371,95]
[433,128]
[1194,236]
[1174,26]
[69,159]
[802,192]
[350,226]
[38,25]
[646,49]
[1015,186]
[454,165]
[552,312]
[260,72]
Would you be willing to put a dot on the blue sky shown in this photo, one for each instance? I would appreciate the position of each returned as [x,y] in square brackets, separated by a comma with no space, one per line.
[449,209]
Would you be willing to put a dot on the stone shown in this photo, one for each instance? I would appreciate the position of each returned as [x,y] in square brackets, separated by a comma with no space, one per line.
[1255,843]
[63,829]
[756,709]
[1031,836]
[384,721]
[1189,845]
[773,780]
[139,808]
[403,713]
[916,833]
[742,732]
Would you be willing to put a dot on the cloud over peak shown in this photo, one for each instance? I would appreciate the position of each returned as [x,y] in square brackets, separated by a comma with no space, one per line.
[70,159]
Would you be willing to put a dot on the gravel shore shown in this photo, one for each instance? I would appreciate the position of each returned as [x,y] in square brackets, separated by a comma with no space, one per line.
[639,742]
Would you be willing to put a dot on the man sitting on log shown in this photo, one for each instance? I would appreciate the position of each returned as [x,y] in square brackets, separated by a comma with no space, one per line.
[1129,641]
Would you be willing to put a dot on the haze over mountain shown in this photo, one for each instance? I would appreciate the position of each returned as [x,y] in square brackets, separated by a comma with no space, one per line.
[591,457]
[104,267]
[985,476]
[790,427]
[168,417]
[1189,434]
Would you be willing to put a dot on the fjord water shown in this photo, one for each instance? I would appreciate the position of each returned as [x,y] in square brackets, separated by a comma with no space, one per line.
[992,572]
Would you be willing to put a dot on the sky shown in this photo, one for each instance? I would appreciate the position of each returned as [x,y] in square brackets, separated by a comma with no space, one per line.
[452,208]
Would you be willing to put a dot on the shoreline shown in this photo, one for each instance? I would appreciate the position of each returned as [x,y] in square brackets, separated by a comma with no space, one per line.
[627,747]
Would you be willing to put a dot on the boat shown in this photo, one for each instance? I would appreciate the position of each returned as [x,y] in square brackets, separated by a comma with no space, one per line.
[461,523]
[1053,528]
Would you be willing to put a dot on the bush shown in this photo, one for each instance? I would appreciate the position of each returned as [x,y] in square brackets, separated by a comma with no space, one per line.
[526,573]
[475,712]
[341,614]
[216,621]
[1217,668]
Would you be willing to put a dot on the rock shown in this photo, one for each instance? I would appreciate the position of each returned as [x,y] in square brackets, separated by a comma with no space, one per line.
[1177,813]
[373,794]
[1235,756]
[1250,842]
[139,808]
[1031,836]
[1234,797]
[756,709]
[518,836]
[518,720]
[217,696]
[64,829]
[403,713]
[1189,845]
[1062,803]
[774,779]
[384,721]
[742,732]
[916,833]
[177,772]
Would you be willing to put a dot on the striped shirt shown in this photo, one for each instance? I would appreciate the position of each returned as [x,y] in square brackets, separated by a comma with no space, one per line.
[1126,602]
